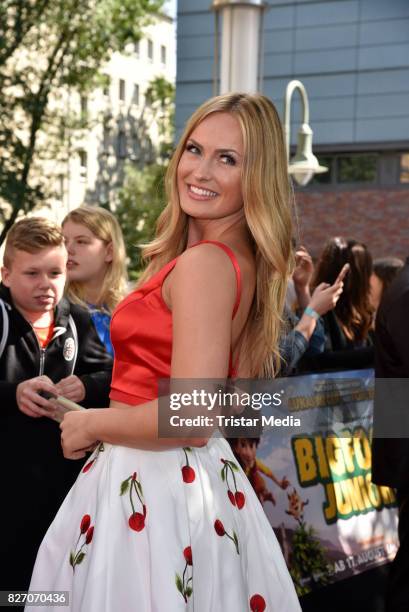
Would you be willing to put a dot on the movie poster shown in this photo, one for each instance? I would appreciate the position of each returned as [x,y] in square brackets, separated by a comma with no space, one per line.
[313,477]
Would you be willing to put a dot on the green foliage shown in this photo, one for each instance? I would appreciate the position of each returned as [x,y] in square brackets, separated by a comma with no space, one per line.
[179,584]
[160,97]
[308,560]
[80,558]
[124,486]
[141,200]
[46,45]
[142,196]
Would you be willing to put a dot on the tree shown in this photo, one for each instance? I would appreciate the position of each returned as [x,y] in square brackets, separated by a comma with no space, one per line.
[141,200]
[47,46]
[142,197]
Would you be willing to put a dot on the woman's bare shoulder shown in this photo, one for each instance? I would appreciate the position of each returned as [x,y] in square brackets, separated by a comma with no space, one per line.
[205,259]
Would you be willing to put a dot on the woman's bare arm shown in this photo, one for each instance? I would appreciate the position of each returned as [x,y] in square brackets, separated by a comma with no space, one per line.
[202,295]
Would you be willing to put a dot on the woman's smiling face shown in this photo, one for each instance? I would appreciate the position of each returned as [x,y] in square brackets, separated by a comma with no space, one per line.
[209,170]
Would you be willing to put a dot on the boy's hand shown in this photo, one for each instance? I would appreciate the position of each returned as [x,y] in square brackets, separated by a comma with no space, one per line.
[29,400]
[72,388]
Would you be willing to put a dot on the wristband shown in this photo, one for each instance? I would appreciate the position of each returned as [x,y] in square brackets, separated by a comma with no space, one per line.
[312,313]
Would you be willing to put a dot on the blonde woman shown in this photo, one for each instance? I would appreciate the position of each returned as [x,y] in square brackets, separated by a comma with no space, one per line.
[152,524]
[96,269]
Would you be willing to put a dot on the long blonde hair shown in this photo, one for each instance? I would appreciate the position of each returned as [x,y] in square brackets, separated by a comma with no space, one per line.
[267,198]
[104,226]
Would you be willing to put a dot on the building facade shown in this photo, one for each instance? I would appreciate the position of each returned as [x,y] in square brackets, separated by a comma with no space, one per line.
[353,58]
[120,125]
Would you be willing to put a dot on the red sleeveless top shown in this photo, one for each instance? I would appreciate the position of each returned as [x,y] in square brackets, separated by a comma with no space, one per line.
[141,332]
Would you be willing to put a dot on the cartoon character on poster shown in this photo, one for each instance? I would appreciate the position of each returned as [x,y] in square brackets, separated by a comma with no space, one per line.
[307,556]
[314,481]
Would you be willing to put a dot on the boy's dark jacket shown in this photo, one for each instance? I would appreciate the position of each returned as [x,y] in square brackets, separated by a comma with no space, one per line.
[35,475]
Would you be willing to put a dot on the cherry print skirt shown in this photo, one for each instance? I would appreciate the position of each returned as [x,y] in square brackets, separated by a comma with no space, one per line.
[172,531]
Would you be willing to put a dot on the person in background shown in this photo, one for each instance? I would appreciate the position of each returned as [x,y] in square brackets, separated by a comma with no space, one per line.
[348,340]
[44,340]
[385,270]
[390,456]
[305,335]
[96,269]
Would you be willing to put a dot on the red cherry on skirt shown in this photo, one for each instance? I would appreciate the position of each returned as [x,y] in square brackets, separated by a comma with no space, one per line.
[88,466]
[219,528]
[137,521]
[188,474]
[90,533]
[240,499]
[187,553]
[231,497]
[85,523]
[257,603]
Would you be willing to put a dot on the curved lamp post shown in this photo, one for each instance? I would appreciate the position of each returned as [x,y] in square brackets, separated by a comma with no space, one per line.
[304,164]
[240,44]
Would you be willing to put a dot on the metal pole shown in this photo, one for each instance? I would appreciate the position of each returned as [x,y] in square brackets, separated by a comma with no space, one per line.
[240,43]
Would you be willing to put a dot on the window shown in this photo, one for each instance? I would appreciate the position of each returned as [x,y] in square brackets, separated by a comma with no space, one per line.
[136,149]
[163,54]
[122,90]
[357,169]
[150,49]
[61,185]
[135,95]
[326,177]
[137,47]
[121,145]
[404,168]
[84,107]
[106,86]
[83,162]
[106,136]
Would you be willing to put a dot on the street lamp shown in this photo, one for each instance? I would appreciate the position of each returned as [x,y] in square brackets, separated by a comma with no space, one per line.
[240,44]
[304,164]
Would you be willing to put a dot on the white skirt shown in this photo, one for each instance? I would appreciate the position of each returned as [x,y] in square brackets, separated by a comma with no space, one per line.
[170,531]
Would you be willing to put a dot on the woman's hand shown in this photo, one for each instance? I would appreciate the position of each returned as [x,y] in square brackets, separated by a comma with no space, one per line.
[76,435]
[325,297]
[302,276]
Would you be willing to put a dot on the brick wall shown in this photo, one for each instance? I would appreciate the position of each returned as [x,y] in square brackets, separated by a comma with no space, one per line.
[379,218]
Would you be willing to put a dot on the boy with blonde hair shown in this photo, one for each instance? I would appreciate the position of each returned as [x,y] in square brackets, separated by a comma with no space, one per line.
[47,346]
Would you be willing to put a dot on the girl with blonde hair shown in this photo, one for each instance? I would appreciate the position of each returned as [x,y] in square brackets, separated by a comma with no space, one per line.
[161,517]
[96,268]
